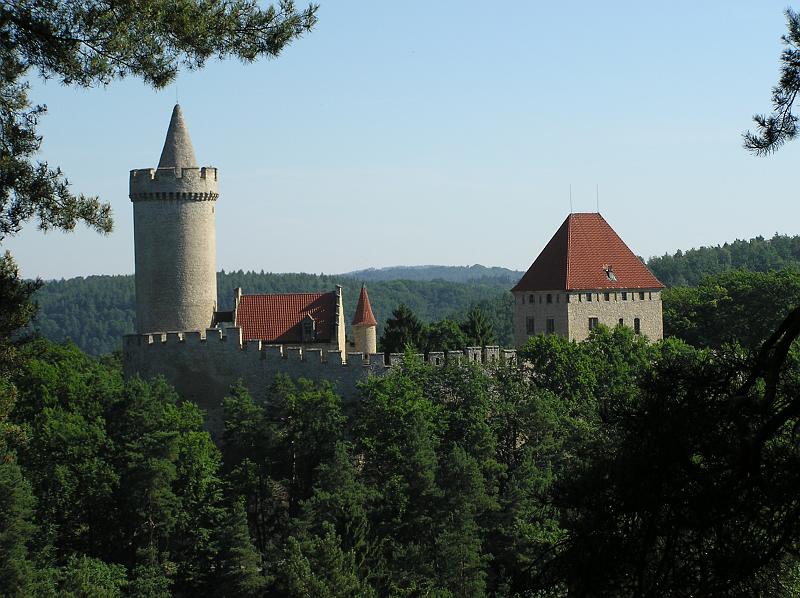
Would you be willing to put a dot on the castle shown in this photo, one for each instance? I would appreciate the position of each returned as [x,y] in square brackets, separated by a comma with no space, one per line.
[584,276]
[201,351]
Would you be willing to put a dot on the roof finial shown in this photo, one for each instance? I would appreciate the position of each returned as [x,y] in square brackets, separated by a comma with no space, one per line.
[178,151]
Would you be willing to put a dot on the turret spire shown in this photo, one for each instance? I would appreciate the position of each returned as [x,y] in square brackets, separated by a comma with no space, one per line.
[364,315]
[178,151]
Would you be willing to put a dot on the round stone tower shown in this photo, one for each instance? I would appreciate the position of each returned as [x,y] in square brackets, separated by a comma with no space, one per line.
[365,325]
[175,237]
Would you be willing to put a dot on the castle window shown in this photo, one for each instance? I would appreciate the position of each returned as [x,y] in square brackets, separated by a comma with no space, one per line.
[551,326]
[531,299]
[641,295]
[309,327]
[529,325]
[624,295]
[637,327]
[607,296]
[592,324]
[621,322]
[549,298]
[651,295]
[588,296]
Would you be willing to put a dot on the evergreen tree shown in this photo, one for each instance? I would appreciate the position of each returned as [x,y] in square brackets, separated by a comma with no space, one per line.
[402,331]
[477,329]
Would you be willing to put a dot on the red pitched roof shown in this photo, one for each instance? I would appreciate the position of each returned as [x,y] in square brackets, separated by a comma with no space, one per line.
[277,318]
[578,257]
[364,315]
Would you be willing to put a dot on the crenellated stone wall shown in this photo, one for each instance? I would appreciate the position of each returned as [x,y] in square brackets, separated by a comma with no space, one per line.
[203,366]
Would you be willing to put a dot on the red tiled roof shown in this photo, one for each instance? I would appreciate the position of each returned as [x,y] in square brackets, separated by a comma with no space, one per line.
[277,318]
[364,315]
[578,257]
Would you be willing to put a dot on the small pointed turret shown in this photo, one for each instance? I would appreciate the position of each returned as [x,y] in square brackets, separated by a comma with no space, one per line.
[364,315]
[365,325]
[178,151]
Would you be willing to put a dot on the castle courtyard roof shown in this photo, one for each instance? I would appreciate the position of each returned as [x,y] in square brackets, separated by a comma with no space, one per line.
[277,318]
[364,315]
[178,151]
[585,253]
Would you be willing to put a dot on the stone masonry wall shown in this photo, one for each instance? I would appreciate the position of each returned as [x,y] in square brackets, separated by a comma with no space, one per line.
[175,248]
[202,367]
[571,319]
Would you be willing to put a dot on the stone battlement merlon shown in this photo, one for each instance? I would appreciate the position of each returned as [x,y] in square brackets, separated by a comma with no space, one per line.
[199,184]
[229,340]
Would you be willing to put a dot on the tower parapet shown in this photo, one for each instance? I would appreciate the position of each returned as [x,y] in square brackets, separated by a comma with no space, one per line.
[197,184]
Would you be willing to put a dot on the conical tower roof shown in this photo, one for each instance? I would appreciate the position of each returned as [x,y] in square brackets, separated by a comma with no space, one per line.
[584,254]
[364,315]
[178,151]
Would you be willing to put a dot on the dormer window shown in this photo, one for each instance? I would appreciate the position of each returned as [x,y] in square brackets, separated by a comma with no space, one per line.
[609,270]
[309,329]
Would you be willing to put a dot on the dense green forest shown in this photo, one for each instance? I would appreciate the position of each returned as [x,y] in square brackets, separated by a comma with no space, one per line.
[611,467]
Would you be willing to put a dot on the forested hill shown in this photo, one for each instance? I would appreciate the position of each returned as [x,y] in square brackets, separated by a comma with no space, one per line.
[451,273]
[96,311]
[757,255]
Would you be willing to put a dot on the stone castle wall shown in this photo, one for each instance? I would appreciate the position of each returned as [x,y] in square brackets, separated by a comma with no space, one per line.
[570,313]
[175,247]
[203,366]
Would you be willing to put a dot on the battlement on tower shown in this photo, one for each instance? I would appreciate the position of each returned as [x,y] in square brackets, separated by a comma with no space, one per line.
[198,184]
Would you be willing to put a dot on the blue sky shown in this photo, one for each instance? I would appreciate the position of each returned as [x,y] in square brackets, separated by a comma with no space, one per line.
[448,133]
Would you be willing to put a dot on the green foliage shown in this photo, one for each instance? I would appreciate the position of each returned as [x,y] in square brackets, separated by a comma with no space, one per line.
[85,577]
[16,531]
[403,331]
[678,492]
[688,268]
[478,329]
[126,475]
[737,306]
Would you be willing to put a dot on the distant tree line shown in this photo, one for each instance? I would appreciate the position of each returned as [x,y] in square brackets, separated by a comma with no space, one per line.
[687,268]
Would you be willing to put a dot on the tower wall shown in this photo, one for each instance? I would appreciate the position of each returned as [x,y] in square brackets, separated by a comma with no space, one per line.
[365,339]
[175,248]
